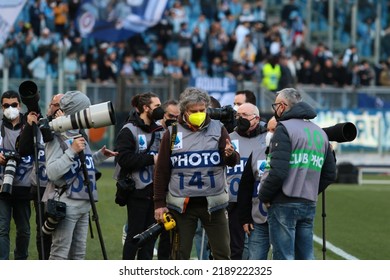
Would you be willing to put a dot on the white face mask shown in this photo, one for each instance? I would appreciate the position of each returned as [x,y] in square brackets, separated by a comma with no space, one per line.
[11,113]
[268,138]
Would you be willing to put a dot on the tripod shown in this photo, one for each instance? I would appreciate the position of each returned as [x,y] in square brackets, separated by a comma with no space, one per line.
[323,227]
[40,222]
[95,216]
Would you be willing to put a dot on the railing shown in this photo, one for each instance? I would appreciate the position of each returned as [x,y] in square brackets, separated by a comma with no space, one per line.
[373,128]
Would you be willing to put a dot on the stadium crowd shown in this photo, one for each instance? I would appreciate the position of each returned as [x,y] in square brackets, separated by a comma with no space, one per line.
[196,38]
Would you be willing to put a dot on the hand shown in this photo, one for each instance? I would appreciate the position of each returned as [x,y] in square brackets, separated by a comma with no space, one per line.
[2,159]
[78,144]
[159,213]
[107,152]
[59,113]
[32,117]
[229,148]
[248,228]
[155,159]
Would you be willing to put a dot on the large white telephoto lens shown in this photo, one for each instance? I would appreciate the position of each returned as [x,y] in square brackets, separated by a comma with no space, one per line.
[95,116]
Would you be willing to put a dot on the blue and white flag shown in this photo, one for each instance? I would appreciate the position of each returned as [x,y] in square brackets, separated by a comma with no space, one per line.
[9,11]
[115,22]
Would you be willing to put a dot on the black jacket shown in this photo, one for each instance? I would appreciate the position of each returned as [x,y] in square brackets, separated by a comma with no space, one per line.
[127,158]
[271,189]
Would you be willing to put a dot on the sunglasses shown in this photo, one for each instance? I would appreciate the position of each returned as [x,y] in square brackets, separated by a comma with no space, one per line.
[13,105]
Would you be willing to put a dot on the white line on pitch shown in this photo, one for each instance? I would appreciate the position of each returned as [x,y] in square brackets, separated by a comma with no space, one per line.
[334,249]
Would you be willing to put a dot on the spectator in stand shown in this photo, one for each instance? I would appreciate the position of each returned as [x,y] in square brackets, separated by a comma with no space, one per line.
[365,73]
[38,66]
[271,74]
[184,39]
[217,70]
[71,66]
[286,78]
[384,76]
[197,45]
[305,74]
[60,10]
[318,76]
[287,10]
[328,72]
[340,73]
[350,57]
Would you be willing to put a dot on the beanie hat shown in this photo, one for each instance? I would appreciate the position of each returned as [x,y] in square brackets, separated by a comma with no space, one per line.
[73,102]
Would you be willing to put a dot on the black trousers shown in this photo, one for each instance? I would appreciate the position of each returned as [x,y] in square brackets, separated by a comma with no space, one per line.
[140,216]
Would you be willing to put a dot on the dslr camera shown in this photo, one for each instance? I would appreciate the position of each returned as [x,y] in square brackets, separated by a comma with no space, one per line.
[154,230]
[55,212]
[12,159]
[224,114]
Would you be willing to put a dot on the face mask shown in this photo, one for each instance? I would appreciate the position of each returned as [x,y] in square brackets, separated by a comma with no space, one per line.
[243,124]
[158,114]
[170,122]
[197,119]
[11,113]
[268,138]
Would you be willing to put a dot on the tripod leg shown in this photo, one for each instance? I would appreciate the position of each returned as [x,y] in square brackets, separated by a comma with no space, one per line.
[323,227]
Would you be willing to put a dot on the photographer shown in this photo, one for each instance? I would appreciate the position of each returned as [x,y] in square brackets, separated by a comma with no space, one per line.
[190,177]
[67,183]
[15,183]
[249,140]
[26,148]
[137,144]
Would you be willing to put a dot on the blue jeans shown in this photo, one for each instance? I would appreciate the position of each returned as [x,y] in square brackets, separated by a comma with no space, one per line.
[20,211]
[291,230]
[258,242]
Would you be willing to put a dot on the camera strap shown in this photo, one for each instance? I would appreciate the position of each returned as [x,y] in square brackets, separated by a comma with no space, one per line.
[59,191]
[173,136]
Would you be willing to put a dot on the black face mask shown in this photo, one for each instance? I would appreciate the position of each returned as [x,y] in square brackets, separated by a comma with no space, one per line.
[243,124]
[170,122]
[158,114]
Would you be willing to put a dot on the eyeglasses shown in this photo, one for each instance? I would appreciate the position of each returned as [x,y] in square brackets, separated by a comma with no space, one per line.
[13,105]
[275,106]
[171,116]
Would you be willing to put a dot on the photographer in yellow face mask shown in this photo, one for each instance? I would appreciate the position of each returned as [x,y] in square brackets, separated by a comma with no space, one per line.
[190,177]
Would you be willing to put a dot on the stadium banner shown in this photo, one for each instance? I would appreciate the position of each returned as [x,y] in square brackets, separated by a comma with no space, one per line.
[109,22]
[223,89]
[373,128]
[9,11]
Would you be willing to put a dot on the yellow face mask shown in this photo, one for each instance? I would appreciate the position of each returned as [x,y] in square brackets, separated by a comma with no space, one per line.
[197,119]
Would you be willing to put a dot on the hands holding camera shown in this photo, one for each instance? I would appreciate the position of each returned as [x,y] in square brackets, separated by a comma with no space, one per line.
[78,144]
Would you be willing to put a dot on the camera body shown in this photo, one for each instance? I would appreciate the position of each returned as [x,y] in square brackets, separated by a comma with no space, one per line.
[154,230]
[55,212]
[12,159]
[224,114]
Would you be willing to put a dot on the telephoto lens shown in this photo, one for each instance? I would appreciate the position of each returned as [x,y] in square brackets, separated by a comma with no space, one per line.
[9,174]
[56,211]
[49,226]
